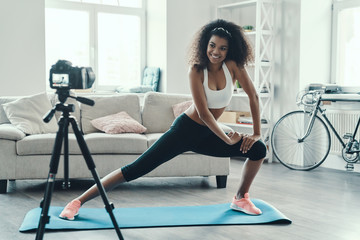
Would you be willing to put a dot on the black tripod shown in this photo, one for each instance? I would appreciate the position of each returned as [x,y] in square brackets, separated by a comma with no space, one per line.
[54,162]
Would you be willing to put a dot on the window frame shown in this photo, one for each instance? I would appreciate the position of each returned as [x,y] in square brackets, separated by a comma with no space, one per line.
[93,10]
[337,7]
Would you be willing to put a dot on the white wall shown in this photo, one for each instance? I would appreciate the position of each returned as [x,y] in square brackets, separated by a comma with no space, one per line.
[302,49]
[184,19]
[171,27]
[156,38]
[286,56]
[22,47]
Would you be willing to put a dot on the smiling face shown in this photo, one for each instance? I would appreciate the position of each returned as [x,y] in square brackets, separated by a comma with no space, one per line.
[217,49]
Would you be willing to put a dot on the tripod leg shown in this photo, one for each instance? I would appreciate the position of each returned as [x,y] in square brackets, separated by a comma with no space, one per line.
[91,165]
[54,164]
[66,183]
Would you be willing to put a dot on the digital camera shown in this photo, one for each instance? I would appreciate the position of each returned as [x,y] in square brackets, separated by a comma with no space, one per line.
[64,76]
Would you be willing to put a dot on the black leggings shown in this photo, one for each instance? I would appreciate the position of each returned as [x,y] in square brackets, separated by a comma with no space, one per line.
[187,135]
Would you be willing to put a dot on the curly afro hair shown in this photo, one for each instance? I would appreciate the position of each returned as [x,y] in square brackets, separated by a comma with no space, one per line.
[240,49]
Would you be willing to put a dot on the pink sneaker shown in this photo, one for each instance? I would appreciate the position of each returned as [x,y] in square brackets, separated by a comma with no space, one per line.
[245,205]
[71,210]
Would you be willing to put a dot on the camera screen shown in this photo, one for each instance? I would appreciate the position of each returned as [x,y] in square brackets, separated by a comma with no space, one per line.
[60,80]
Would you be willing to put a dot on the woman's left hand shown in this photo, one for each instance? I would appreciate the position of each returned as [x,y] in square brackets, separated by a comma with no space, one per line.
[248,142]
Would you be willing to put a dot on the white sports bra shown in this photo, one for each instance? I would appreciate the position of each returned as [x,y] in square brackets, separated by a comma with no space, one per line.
[219,98]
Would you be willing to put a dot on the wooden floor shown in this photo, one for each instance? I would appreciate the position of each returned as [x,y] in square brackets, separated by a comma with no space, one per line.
[322,203]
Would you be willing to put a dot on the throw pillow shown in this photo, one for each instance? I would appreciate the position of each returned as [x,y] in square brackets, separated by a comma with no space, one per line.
[27,114]
[181,107]
[118,123]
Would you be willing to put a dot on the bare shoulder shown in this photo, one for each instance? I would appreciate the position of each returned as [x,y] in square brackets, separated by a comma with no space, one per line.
[236,70]
[233,66]
[195,74]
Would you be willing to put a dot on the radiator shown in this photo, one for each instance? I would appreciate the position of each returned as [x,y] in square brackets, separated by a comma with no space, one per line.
[343,122]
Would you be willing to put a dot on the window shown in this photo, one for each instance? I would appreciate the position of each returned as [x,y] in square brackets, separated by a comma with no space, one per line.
[345,43]
[118,51]
[67,36]
[107,35]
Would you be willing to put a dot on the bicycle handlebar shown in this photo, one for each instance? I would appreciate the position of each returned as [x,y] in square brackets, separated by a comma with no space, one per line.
[314,98]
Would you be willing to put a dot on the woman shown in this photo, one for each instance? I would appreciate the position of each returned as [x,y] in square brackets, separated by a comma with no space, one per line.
[217,59]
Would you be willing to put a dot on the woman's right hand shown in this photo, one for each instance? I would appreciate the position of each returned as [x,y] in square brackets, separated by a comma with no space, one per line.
[235,137]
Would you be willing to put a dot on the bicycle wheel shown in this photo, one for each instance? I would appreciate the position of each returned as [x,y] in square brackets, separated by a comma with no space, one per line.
[291,152]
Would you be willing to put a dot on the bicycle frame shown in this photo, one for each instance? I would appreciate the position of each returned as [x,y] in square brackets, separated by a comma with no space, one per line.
[317,109]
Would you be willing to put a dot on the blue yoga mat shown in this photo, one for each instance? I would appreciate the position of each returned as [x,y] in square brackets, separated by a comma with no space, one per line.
[143,217]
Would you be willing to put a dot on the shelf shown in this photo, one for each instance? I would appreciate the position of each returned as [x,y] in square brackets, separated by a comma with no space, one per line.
[262,64]
[250,33]
[265,64]
[263,32]
[261,70]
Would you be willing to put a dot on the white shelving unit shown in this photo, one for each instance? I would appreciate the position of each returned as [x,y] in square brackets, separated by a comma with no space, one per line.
[260,15]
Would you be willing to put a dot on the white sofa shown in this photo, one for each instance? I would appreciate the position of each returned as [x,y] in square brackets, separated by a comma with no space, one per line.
[27,156]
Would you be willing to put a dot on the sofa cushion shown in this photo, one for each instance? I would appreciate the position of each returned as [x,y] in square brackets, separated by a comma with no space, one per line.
[126,143]
[118,123]
[152,138]
[107,105]
[158,113]
[43,144]
[3,100]
[10,132]
[27,114]
[98,143]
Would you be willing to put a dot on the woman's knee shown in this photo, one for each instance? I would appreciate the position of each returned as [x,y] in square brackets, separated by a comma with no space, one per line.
[257,151]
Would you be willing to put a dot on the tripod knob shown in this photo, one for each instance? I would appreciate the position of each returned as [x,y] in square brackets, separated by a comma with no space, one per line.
[71,108]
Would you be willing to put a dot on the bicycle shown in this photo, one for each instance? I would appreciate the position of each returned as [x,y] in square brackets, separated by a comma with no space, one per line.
[301,140]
